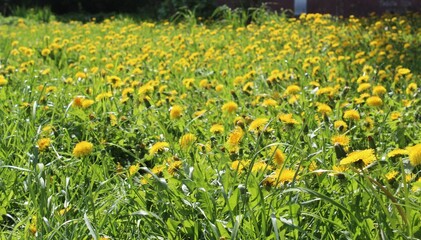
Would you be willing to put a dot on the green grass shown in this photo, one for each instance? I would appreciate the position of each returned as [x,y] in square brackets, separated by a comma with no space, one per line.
[194,189]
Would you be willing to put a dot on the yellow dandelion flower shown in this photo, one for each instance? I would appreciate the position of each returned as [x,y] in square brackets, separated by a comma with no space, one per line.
[158,169]
[33,226]
[258,125]
[229,107]
[374,101]
[279,177]
[47,130]
[269,103]
[174,167]
[395,115]
[312,167]
[235,136]
[397,153]
[363,86]
[176,112]
[187,140]
[64,210]
[103,96]
[324,109]
[379,90]
[239,121]
[292,89]
[412,87]
[260,166]
[362,79]
[127,92]
[248,87]
[82,149]
[133,169]
[45,52]
[199,113]
[80,75]
[340,125]
[415,154]
[278,156]
[43,144]
[352,115]
[114,81]
[217,129]
[239,165]
[390,176]
[204,83]
[293,99]
[145,179]
[342,140]
[219,87]
[3,81]
[113,119]
[287,119]
[159,147]
[87,103]
[339,170]
[77,101]
[45,71]
[365,156]
[330,91]
[409,177]
[403,71]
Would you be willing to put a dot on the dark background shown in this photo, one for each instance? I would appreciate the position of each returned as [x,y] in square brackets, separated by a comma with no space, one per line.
[166,8]
[148,8]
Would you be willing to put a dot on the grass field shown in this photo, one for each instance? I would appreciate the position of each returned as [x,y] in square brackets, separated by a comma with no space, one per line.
[286,128]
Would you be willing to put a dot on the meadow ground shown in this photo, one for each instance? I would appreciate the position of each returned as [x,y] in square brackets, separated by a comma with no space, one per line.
[286,128]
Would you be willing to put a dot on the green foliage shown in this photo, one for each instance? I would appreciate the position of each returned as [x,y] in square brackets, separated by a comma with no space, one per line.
[43,14]
[201,8]
[116,84]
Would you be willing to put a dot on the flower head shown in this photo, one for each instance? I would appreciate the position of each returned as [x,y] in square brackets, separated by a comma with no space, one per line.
[3,81]
[235,137]
[217,128]
[415,154]
[412,87]
[352,114]
[260,166]
[278,156]
[390,176]
[279,177]
[324,109]
[239,165]
[176,111]
[342,140]
[229,107]
[374,101]
[287,119]
[43,144]
[269,103]
[379,90]
[258,125]
[366,156]
[340,125]
[292,89]
[174,166]
[187,140]
[82,149]
[397,152]
[133,169]
[158,147]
